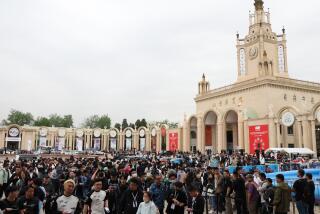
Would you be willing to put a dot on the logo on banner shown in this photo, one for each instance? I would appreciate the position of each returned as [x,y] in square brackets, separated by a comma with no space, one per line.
[128,133]
[173,141]
[259,138]
[153,132]
[43,132]
[96,133]
[288,119]
[79,133]
[142,133]
[113,133]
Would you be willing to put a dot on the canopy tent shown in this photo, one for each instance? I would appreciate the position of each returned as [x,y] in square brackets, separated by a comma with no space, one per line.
[301,151]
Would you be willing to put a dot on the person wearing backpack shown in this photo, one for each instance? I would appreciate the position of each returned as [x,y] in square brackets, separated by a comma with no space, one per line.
[299,188]
[268,196]
[282,196]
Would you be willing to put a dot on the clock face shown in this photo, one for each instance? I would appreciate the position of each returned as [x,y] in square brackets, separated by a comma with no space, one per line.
[79,133]
[43,132]
[14,132]
[113,133]
[153,132]
[242,62]
[96,133]
[128,133]
[142,133]
[253,53]
[288,119]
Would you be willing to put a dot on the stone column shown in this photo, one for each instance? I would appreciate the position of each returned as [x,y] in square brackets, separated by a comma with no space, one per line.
[220,142]
[306,129]
[186,137]
[200,135]
[272,133]
[246,136]
[158,140]
[235,135]
[300,139]
[278,135]
[313,137]
[240,135]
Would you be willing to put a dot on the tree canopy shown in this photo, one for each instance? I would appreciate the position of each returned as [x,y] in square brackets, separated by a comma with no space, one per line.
[96,121]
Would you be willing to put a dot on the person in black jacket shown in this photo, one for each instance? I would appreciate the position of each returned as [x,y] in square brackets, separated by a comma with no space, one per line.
[177,199]
[196,201]
[131,198]
[309,193]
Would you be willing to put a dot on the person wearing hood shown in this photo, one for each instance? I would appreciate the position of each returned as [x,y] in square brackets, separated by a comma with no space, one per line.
[282,196]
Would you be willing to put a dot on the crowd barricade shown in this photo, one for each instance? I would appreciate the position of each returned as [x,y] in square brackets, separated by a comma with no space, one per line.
[262,168]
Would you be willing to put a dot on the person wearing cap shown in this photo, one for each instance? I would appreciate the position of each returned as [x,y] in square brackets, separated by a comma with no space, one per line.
[67,203]
[10,204]
[252,194]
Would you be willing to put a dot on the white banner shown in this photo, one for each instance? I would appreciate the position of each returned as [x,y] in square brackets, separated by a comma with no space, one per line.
[113,143]
[29,145]
[128,143]
[43,141]
[61,141]
[96,143]
[142,144]
[79,144]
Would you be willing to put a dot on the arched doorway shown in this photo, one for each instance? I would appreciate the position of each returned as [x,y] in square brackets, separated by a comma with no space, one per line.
[128,139]
[231,120]
[210,129]
[193,134]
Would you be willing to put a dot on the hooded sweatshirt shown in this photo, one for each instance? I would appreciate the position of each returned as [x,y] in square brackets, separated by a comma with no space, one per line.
[282,198]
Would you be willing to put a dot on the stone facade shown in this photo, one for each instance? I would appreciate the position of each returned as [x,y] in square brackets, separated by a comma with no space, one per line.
[264,95]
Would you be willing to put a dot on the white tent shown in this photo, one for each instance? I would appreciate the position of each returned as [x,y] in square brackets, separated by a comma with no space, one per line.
[301,151]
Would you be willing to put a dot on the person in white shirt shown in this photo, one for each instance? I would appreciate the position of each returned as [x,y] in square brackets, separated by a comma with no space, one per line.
[147,206]
[96,202]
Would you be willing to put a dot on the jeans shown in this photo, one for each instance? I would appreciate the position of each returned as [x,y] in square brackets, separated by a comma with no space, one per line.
[302,207]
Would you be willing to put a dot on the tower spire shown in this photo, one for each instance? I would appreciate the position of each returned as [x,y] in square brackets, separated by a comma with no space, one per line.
[258,4]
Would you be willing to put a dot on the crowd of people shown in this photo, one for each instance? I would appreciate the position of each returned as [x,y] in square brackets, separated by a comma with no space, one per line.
[148,184]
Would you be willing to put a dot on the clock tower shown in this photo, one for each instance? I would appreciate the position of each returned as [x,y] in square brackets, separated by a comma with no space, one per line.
[262,52]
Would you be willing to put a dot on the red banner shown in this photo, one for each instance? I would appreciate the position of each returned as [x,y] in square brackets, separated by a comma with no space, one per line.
[208,134]
[259,138]
[173,141]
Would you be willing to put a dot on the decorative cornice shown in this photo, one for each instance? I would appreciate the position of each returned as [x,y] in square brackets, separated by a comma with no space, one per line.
[260,82]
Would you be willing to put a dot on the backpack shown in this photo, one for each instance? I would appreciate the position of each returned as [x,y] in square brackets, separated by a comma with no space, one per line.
[268,194]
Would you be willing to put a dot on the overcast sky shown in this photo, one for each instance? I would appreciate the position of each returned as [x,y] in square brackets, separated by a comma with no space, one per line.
[134,58]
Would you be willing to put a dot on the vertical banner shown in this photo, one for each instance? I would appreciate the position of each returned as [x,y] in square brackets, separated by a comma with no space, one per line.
[142,144]
[42,141]
[79,144]
[173,141]
[96,143]
[61,142]
[208,134]
[128,143]
[113,143]
[153,144]
[259,138]
[29,145]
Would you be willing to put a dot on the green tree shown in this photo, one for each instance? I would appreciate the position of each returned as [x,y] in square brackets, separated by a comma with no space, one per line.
[95,121]
[19,118]
[67,121]
[132,125]
[138,123]
[42,121]
[117,126]
[61,121]
[143,123]
[124,123]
